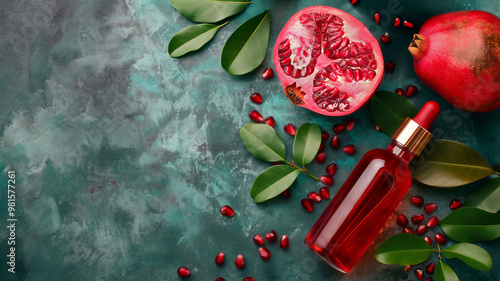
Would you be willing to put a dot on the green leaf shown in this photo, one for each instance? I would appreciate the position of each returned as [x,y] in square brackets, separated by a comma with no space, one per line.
[272,182]
[390,109]
[192,38]
[403,249]
[306,143]
[486,196]
[474,256]
[263,142]
[246,48]
[443,272]
[209,10]
[450,164]
[469,224]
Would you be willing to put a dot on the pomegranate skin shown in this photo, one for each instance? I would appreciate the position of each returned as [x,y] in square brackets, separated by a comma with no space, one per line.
[458,55]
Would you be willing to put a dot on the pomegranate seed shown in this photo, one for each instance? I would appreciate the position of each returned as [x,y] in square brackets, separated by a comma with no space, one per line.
[418,218]
[408,24]
[219,259]
[428,240]
[397,21]
[417,201]
[419,273]
[264,253]
[335,143]
[331,169]
[429,208]
[258,239]
[385,38]
[432,222]
[227,211]
[376,18]
[430,268]
[286,193]
[324,136]
[354,2]
[290,129]
[267,73]
[428,279]
[326,179]
[270,121]
[183,271]
[410,91]
[349,124]
[271,236]
[320,157]
[421,229]
[455,204]
[321,147]
[248,279]
[349,149]
[402,220]
[314,196]
[400,92]
[390,66]
[256,116]
[240,261]
[307,204]
[338,128]
[439,238]
[324,192]
[275,163]
[407,230]
[256,98]
[284,243]
[407,267]
[220,279]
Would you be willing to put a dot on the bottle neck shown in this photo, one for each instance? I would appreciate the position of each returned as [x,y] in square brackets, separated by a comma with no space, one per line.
[401,152]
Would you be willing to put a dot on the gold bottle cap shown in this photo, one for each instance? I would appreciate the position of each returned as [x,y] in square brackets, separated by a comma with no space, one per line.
[412,136]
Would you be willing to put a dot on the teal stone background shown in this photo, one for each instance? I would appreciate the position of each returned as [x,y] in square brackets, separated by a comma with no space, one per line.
[123,155]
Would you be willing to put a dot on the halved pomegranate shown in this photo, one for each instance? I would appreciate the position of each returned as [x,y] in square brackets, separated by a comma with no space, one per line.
[328,61]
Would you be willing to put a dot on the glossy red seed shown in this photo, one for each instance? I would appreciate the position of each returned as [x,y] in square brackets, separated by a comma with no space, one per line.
[390,66]
[324,136]
[275,163]
[376,17]
[354,2]
[227,211]
[349,149]
[335,143]
[320,157]
[240,261]
[219,259]
[421,229]
[286,193]
[248,279]
[407,230]
[407,267]
[419,273]
[417,201]
[402,220]
[324,192]
[429,208]
[314,196]
[439,238]
[400,92]
[258,239]
[428,240]
[256,98]
[290,129]
[271,236]
[338,128]
[284,242]
[220,279]
[428,279]
[321,147]
[267,73]
[349,124]
[307,205]
[408,24]
[430,268]
[264,253]
[432,222]
[183,271]
[256,116]
[270,121]
[331,169]
[326,179]
[397,21]
[385,38]
[418,218]
[455,204]
[410,90]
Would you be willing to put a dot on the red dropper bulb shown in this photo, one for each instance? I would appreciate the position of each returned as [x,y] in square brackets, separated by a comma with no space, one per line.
[427,115]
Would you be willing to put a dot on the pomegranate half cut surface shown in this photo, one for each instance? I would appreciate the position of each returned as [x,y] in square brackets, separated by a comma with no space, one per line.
[327,61]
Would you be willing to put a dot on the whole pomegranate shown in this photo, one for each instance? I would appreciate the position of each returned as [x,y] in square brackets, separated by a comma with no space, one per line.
[327,61]
[458,55]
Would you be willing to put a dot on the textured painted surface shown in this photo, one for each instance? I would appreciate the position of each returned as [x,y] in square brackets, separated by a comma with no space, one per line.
[124,155]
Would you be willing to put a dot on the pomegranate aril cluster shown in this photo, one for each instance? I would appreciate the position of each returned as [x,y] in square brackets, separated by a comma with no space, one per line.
[323,193]
[271,236]
[409,91]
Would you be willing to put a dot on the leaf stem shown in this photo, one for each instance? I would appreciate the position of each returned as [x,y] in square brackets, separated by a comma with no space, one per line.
[498,173]
[300,169]
[439,251]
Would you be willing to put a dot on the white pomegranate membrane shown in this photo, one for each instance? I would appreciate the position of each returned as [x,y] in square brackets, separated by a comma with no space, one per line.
[327,61]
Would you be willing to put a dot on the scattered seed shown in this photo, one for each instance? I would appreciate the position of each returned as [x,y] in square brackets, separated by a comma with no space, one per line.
[349,149]
[248,279]
[227,211]
[407,230]
[240,261]
[407,267]
[284,242]
[402,220]
[307,204]
[290,129]
[397,21]
[400,92]
[439,238]
[324,136]
[267,73]
[324,192]
[258,239]
[430,268]
[376,17]
[432,222]
[408,24]
[338,128]
[418,218]
[256,98]
[410,90]
[354,2]
[428,240]
[256,116]
[331,169]
[314,196]
[321,147]
[419,273]
[271,236]
[270,121]
[320,157]
[335,143]
[417,201]
[455,204]
[219,259]
[421,229]
[183,272]
[326,179]
[429,208]
[286,193]
[264,253]
[385,38]
[220,279]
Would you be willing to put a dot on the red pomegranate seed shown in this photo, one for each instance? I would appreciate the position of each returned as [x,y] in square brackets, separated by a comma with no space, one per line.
[430,268]
[335,143]
[417,201]
[331,169]
[326,179]
[407,267]
[402,220]
[290,129]
[256,98]
[324,192]
[219,259]
[376,18]
[349,149]
[439,238]
[307,204]
[264,253]
[256,116]
[428,279]
[271,236]
[183,271]
[400,92]
[338,128]
[349,124]
[284,242]
[227,211]
[421,229]
[429,208]
[320,157]
[455,204]
[258,239]
[248,279]
[324,136]
[390,66]
[397,21]
[240,261]
[220,279]
[286,193]
[432,222]
[270,121]
[354,2]
[268,73]
[419,273]
[410,91]
[385,38]
[418,218]
[408,24]
[314,196]
[275,163]
[321,147]
[407,230]
[428,240]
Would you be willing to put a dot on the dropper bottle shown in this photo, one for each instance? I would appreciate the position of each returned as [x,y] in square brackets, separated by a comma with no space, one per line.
[370,194]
